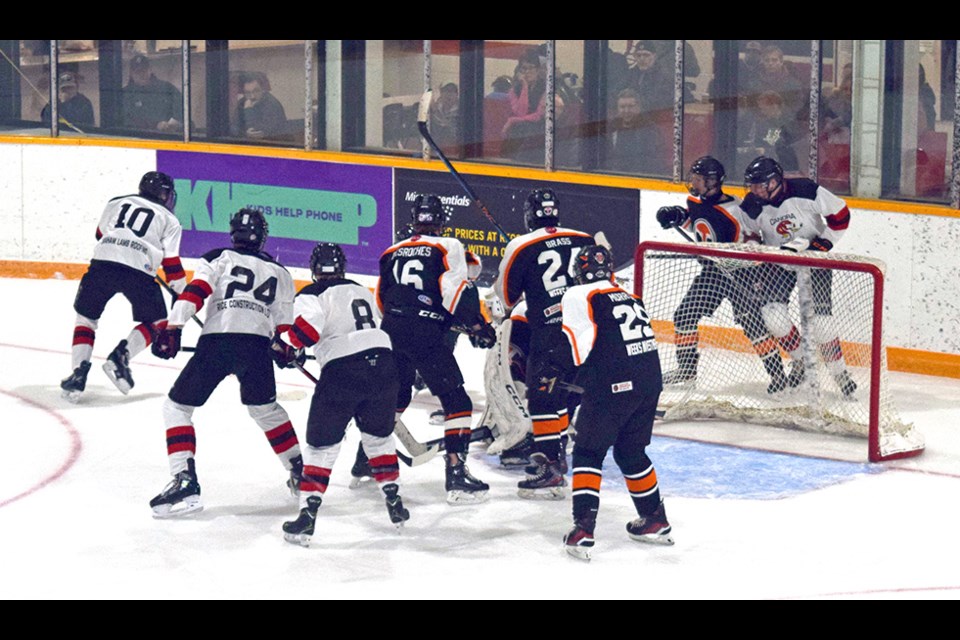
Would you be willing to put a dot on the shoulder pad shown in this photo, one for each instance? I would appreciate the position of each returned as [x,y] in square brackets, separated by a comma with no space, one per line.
[751,206]
[801,188]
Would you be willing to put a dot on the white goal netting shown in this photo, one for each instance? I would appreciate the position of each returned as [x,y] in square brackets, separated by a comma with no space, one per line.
[729,318]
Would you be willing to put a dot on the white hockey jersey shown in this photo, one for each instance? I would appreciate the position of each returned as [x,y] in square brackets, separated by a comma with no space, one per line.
[338,318]
[138,233]
[807,212]
[244,291]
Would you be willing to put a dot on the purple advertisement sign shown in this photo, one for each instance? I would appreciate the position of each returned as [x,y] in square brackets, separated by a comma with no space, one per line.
[304,202]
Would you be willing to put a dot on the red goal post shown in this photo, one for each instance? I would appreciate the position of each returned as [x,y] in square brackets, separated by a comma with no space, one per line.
[838,317]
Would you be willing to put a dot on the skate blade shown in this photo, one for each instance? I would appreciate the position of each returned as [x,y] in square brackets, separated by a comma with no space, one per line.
[180,509]
[466,497]
[294,489]
[71,396]
[664,539]
[437,420]
[119,383]
[301,539]
[580,553]
[553,493]
[356,483]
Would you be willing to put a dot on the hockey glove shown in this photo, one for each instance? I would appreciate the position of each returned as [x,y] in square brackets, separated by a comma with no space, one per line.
[548,377]
[285,355]
[821,244]
[797,244]
[671,216]
[483,336]
[166,345]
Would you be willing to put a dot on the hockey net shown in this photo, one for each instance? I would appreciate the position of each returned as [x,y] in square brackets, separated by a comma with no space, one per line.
[731,380]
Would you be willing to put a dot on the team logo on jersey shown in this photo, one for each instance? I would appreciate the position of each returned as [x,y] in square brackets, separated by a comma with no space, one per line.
[786,228]
[704,231]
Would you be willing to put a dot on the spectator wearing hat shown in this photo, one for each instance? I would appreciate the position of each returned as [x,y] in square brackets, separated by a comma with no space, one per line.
[150,103]
[645,70]
[75,109]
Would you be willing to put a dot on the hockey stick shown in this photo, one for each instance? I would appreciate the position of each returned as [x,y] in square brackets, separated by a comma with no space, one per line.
[422,126]
[173,294]
[437,445]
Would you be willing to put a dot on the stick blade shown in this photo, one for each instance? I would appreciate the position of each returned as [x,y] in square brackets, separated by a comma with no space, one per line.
[424,111]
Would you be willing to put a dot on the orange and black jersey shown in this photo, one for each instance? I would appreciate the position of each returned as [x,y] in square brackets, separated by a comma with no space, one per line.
[720,220]
[538,267]
[426,277]
[609,334]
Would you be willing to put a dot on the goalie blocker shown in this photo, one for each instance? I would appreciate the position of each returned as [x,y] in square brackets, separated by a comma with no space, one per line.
[731,384]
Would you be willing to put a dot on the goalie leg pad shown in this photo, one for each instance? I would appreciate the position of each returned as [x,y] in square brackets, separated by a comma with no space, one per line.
[506,415]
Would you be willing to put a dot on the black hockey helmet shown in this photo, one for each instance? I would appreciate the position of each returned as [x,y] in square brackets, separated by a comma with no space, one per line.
[248,229]
[428,213]
[712,172]
[594,263]
[541,209]
[761,171]
[327,260]
[158,187]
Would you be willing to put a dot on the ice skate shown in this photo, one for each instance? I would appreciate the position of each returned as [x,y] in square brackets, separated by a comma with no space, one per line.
[519,454]
[846,383]
[462,487]
[652,528]
[117,368]
[74,384]
[437,417]
[300,531]
[777,384]
[180,497]
[544,480]
[798,374]
[398,515]
[578,542]
[360,471]
[774,367]
[679,376]
[296,475]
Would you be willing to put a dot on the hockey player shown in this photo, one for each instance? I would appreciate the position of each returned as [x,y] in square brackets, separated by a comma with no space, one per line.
[136,235]
[613,346]
[250,301]
[423,288]
[538,267]
[358,381]
[474,267]
[714,216]
[797,214]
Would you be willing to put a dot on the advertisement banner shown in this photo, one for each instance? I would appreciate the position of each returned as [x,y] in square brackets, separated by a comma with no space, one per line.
[587,208]
[304,202]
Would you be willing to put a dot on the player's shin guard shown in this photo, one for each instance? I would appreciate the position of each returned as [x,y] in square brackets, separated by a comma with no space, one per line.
[641,479]
[181,437]
[458,416]
[587,475]
[84,335]
[317,465]
[275,422]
